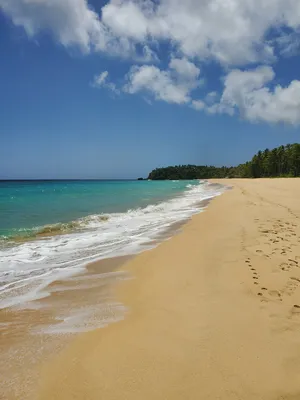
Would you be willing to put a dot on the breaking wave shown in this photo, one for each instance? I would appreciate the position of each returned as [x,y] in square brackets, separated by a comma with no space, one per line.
[55,251]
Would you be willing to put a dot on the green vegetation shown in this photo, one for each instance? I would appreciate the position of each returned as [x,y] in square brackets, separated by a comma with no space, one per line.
[281,161]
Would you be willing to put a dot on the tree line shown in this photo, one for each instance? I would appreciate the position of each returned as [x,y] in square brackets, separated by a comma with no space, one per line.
[283,161]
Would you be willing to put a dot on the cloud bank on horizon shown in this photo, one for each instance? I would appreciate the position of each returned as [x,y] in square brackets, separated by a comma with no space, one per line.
[244,37]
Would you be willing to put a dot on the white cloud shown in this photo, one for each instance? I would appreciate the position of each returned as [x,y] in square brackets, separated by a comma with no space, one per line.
[211,97]
[71,22]
[184,68]
[126,19]
[289,45]
[149,55]
[173,85]
[238,84]
[198,105]
[230,32]
[101,81]
[151,79]
[247,93]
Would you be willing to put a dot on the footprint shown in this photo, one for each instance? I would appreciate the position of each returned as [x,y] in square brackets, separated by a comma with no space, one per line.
[274,293]
[295,279]
[292,285]
[284,266]
[296,309]
[293,261]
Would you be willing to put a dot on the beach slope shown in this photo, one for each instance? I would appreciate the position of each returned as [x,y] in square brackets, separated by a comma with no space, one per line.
[213,313]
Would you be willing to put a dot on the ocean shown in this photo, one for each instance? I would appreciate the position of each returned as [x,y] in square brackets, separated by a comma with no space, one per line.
[52,229]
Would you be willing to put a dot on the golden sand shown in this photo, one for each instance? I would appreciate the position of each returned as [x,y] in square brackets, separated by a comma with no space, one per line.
[214,312]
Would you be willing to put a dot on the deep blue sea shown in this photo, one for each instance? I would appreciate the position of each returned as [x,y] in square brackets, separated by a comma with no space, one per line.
[51,229]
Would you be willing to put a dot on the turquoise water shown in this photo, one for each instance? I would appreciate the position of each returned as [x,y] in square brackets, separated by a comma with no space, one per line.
[26,207]
[64,225]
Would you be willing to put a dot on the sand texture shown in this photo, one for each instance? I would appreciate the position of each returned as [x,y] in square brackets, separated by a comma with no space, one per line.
[213,313]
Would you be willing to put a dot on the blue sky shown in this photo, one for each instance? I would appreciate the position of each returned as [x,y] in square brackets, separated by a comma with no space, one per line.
[115,89]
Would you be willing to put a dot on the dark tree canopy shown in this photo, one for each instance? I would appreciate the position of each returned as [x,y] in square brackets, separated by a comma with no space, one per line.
[281,161]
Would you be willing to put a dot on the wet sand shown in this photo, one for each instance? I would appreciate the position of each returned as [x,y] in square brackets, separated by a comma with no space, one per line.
[39,329]
[213,313]
[36,331]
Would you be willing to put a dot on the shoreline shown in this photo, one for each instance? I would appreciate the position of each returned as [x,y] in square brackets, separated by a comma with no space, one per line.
[29,267]
[46,326]
[213,311]
[193,310]
[49,323]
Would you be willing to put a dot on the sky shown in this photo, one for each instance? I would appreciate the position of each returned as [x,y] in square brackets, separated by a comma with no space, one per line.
[113,89]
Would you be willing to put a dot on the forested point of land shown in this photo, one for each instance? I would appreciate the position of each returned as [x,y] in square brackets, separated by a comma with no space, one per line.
[283,161]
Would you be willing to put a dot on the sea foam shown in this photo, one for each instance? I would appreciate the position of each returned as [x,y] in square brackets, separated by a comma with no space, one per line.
[27,268]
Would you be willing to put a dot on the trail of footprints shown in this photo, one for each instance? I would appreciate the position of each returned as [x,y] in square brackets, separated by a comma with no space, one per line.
[282,234]
[281,238]
[255,276]
[266,294]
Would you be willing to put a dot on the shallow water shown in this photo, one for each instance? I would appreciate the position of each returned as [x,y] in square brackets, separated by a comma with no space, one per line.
[71,224]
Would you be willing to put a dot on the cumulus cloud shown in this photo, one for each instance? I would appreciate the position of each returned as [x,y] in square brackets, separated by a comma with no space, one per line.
[229,31]
[173,85]
[71,22]
[184,68]
[248,93]
[126,19]
[233,33]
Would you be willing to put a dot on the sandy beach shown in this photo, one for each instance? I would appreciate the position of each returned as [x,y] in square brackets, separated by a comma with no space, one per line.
[212,313]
